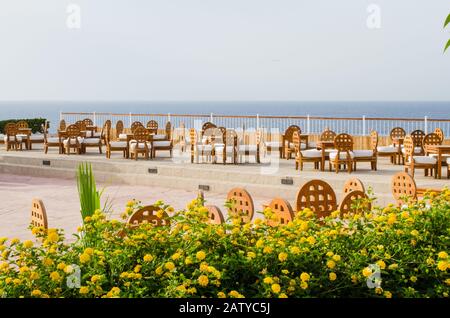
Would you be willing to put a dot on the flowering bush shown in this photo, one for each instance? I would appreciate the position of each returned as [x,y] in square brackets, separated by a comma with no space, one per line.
[334,257]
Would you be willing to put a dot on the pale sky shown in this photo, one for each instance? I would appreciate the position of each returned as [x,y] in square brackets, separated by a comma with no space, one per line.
[319,50]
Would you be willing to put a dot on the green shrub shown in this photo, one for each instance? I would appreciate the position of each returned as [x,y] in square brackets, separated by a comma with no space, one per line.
[35,124]
[192,258]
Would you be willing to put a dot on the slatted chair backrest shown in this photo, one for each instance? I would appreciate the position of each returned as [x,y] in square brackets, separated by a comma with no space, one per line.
[349,202]
[417,136]
[353,184]
[373,140]
[193,135]
[241,204]
[119,128]
[80,124]
[73,131]
[88,122]
[288,134]
[215,216]
[296,141]
[343,142]
[282,210]
[62,125]
[135,125]
[153,126]
[106,128]
[318,196]
[408,144]
[11,129]
[438,131]
[38,214]
[230,137]
[432,139]
[207,126]
[403,185]
[22,124]
[327,135]
[169,130]
[397,132]
[148,215]
[141,135]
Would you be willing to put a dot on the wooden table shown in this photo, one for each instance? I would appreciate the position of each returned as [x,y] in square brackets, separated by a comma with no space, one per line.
[303,137]
[439,150]
[398,142]
[323,145]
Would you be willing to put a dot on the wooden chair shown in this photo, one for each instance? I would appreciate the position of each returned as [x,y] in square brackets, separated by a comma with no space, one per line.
[440,133]
[282,210]
[38,214]
[62,125]
[327,135]
[353,184]
[413,162]
[215,216]
[385,151]
[270,144]
[207,126]
[96,142]
[198,148]
[344,154]
[418,136]
[88,122]
[120,131]
[228,147]
[152,125]
[318,196]
[303,156]
[115,145]
[73,139]
[140,143]
[397,135]
[349,204]
[367,155]
[403,186]
[82,127]
[165,144]
[182,140]
[12,140]
[49,142]
[240,204]
[288,144]
[135,125]
[147,215]
[21,126]
[246,148]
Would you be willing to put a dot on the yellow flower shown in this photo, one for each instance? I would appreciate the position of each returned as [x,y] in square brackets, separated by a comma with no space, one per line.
[337,258]
[378,290]
[188,260]
[84,258]
[201,255]
[305,277]
[447,281]
[276,288]
[251,255]
[53,237]
[382,264]
[311,240]
[303,285]
[331,264]
[332,276]
[15,241]
[169,266]
[84,290]
[158,270]
[414,233]
[282,295]
[413,279]
[96,278]
[203,280]
[387,294]
[54,276]
[235,294]
[34,276]
[160,214]
[61,266]
[68,269]
[443,255]
[282,257]
[36,293]
[221,295]
[295,250]
[148,258]
[442,265]
[393,266]
[89,251]
[176,256]
[267,250]
[268,280]
[28,244]
[366,272]
[138,268]
[354,279]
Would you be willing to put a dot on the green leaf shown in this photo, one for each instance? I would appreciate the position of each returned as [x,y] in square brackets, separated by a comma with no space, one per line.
[447,21]
[447,46]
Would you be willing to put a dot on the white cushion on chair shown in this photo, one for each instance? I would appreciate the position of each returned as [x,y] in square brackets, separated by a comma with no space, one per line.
[159,137]
[273,144]
[92,141]
[11,138]
[247,148]
[312,144]
[73,141]
[312,153]
[123,136]
[53,140]
[22,136]
[342,155]
[444,158]
[417,150]
[230,149]
[161,143]
[387,149]
[133,145]
[362,153]
[118,144]
[37,137]
[205,148]
[97,134]
[424,160]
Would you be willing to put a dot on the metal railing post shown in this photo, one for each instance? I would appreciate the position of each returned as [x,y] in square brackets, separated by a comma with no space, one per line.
[426,125]
[308,123]
[211,117]
[60,115]
[168,117]
[257,121]
[129,120]
[95,119]
[364,125]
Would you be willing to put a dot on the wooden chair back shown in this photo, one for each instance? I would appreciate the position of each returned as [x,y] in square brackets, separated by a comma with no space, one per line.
[348,203]
[148,215]
[318,196]
[417,136]
[241,204]
[193,135]
[88,122]
[207,126]
[343,142]
[141,134]
[22,124]
[62,125]
[153,126]
[353,184]
[327,135]
[80,124]
[230,137]
[288,134]
[38,214]
[296,141]
[73,131]
[135,125]
[432,139]
[408,145]
[215,216]
[283,211]
[119,128]
[11,129]
[438,131]
[373,140]
[403,185]
[169,130]
[397,132]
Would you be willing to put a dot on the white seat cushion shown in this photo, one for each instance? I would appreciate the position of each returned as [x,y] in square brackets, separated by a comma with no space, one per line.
[123,136]
[11,138]
[133,145]
[97,134]
[205,148]
[312,153]
[417,150]
[273,144]
[362,153]
[37,137]
[92,141]
[444,158]
[342,155]
[229,149]
[424,160]
[161,143]
[328,151]
[247,148]
[73,141]
[24,137]
[118,144]
[53,140]
[159,137]
[312,144]
[387,149]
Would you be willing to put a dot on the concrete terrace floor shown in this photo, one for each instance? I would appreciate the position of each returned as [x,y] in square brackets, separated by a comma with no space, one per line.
[177,184]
